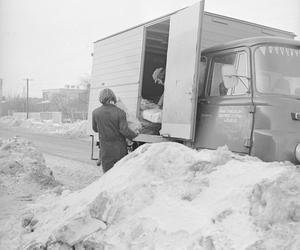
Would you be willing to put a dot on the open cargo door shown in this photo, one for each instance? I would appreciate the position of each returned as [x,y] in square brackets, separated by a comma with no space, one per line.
[181,83]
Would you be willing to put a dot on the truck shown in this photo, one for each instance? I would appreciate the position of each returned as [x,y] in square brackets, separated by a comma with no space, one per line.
[227,82]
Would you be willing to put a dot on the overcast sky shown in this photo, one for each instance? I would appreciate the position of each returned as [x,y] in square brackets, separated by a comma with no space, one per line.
[51,41]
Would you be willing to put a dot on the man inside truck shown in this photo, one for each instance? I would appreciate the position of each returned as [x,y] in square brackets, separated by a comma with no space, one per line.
[222,89]
[159,78]
[229,61]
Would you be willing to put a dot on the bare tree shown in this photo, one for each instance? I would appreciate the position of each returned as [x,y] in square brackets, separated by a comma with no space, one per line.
[85,81]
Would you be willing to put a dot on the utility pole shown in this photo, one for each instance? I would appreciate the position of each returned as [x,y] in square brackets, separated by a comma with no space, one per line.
[27,96]
[1,95]
[1,86]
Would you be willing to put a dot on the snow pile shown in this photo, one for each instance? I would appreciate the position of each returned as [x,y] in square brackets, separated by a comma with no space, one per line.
[23,176]
[21,162]
[167,196]
[10,121]
[76,129]
[275,207]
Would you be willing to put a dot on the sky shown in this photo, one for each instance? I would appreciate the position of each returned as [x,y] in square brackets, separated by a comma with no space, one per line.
[51,41]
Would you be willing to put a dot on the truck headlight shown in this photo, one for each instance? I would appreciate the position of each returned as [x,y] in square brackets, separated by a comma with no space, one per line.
[297,152]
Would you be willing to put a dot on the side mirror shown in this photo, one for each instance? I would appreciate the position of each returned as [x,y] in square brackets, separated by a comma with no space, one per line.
[229,75]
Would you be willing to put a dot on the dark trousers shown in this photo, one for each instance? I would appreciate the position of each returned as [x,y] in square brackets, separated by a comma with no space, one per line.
[111,152]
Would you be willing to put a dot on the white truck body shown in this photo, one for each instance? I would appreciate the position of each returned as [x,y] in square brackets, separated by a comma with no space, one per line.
[121,62]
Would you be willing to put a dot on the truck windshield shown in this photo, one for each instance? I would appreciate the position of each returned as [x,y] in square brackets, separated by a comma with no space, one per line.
[277,69]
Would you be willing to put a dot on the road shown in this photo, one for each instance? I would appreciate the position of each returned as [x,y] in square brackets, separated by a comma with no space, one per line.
[56,145]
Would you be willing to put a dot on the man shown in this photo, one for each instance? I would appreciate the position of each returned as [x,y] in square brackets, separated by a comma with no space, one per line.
[222,89]
[110,123]
[159,78]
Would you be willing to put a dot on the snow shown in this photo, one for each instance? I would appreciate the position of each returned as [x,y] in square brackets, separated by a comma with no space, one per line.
[73,174]
[168,196]
[75,129]
[21,162]
[25,174]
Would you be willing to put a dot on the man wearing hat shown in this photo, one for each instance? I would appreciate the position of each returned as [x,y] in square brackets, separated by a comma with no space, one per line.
[110,123]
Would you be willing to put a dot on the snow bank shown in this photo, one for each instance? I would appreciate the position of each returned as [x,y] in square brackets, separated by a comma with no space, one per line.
[23,176]
[167,196]
[76,129]
[21,162]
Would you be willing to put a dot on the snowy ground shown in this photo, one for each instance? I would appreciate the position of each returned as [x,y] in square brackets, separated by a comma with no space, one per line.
[76,129]
[72,174]
[166,196]
[25,174]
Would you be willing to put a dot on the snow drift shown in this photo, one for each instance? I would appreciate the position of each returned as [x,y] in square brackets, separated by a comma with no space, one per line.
[23,176]
[167,196]
[21,162]
[75,129]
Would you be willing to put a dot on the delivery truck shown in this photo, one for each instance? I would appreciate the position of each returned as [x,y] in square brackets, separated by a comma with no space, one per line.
[227,82]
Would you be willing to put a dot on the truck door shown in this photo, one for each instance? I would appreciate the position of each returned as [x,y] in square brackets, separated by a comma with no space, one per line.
[183,57]
[225,113]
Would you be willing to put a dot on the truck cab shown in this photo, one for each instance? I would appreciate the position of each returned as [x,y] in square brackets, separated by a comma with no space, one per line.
[249,98]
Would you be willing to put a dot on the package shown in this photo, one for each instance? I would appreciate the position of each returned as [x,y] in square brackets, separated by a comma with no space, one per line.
[147,104]
[152,115]
[133,123]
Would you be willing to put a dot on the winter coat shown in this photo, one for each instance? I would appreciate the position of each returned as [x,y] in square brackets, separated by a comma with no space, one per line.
[111,124]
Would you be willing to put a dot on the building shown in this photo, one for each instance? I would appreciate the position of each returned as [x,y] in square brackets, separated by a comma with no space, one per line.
[71,100]
[69,91]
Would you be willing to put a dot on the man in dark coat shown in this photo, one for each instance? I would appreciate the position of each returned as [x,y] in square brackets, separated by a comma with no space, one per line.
[111,124]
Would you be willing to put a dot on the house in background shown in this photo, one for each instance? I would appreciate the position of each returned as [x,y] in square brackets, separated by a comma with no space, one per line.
[72,101]
[69,91]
